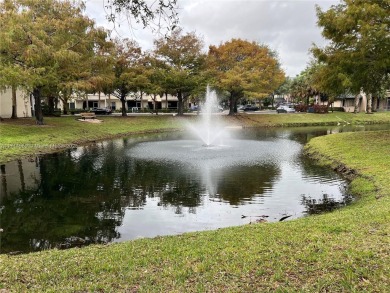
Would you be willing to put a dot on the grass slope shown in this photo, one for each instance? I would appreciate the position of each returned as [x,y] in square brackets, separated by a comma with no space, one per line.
[347,250]
[22,137]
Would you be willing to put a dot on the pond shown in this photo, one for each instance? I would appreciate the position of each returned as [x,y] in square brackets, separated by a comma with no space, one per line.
[154,185]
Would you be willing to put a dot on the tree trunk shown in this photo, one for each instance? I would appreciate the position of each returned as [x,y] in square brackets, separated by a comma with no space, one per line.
[66,107]
[180,109]
[38,107]
[357,98]
[166,101]
[123,100]
[21,175]
[369,104]
[56,103]
[14,105]
[86,102]
[231,104]
[3,181]
[155,104]
[141,102]
[50,102]
[233,99]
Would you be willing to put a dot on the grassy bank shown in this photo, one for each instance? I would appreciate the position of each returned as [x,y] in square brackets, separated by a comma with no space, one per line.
[21,137]
[344,251]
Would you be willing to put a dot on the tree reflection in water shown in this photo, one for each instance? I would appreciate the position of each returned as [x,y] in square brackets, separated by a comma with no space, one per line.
[86,192]
[325,204]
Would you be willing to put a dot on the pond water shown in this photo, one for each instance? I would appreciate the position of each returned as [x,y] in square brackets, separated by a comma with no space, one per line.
[161,184]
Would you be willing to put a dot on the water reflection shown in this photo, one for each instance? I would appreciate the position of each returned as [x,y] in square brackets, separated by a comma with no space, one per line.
[102,193]
[324,204]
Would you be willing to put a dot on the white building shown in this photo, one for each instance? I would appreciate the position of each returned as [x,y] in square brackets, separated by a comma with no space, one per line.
[347,102]
[90,101]
[24,104]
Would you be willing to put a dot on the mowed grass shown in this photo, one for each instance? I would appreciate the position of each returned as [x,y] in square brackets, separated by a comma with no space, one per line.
[347,250]
[23,137]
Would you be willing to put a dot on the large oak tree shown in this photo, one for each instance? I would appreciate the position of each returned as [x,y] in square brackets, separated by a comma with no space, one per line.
[358,52]
[46,44]
[181,57]
[127,70]
[244,68]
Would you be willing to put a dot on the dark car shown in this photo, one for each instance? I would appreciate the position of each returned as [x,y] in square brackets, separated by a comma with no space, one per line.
[101,111]
[250,108]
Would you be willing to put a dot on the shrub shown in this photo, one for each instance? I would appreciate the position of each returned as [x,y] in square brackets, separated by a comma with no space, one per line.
[76,111]
[320,109]
[301,108]
[337,109]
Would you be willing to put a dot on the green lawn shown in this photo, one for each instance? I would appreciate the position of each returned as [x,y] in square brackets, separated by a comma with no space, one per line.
[347,250]
[22,137]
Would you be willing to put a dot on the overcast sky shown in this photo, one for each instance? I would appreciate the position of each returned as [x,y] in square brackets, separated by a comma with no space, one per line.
[287,26]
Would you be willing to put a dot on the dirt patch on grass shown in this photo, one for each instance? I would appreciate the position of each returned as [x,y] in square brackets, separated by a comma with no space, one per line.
[90,120]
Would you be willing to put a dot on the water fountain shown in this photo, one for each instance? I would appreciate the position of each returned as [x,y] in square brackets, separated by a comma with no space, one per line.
[209,129]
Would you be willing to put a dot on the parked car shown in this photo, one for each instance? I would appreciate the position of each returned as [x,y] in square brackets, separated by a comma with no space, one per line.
[195,108]
[101,111]
[285,109]
[250,108]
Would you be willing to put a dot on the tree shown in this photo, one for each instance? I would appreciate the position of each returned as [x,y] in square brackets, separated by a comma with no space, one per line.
[45,44]
[181,57]
[357,54]
[127,69]
[244,68]
[14,114]
[283,89]
[153,14]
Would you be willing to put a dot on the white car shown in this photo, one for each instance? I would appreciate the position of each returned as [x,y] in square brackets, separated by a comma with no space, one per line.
[285,109]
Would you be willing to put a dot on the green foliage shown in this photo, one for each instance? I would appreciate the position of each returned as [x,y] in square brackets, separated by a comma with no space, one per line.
[127,70]
[47,46]
[244,68]
[357,55]
[180,61]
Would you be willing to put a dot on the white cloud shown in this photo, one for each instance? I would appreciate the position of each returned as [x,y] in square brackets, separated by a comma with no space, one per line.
[287,26]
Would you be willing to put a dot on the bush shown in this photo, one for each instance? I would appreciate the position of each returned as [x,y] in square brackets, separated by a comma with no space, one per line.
[46,111]
[337,109]
[320,109]
[76,111]
[301,108]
